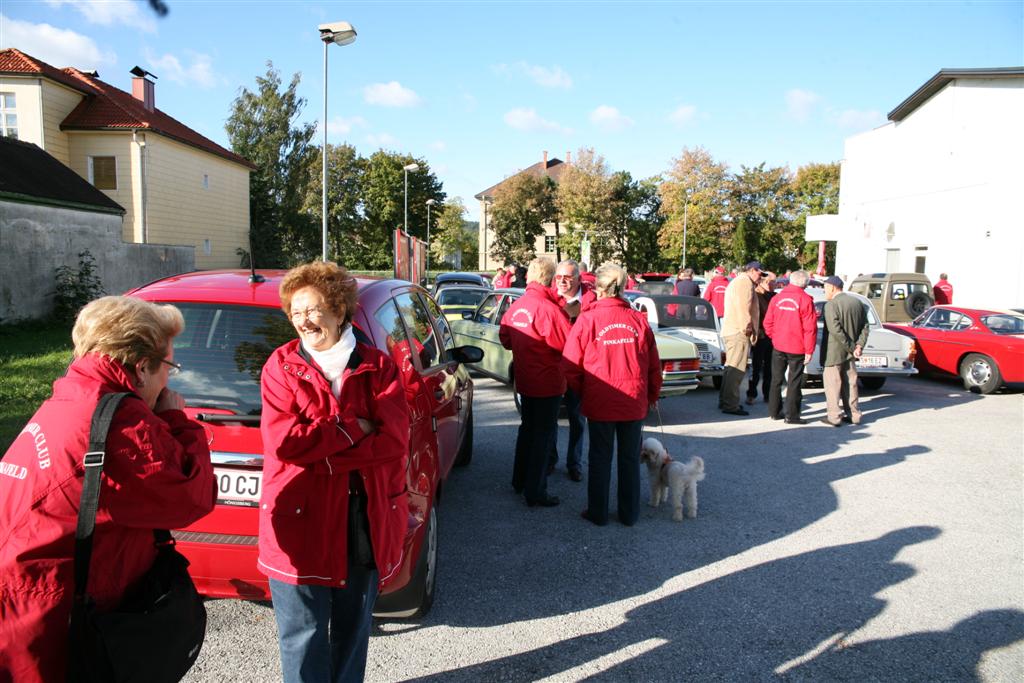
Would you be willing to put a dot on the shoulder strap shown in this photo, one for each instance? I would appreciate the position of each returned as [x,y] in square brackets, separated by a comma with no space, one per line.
[94,457]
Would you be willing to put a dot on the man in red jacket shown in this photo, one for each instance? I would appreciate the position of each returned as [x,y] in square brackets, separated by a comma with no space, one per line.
[943,291]
[715,291]
[535,328]
[793,326]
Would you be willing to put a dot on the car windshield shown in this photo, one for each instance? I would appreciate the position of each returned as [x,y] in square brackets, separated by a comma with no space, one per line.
[1004,323]
[656,287]
[460,297]
[222,351]
[679,311]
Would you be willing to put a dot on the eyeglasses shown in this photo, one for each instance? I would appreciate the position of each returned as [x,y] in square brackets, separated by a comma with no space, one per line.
[313,314]
[175,368]
[565,277]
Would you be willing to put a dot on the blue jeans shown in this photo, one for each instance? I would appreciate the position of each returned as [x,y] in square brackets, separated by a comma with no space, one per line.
[574,454]
[537,432]
[324,632]
[603,437]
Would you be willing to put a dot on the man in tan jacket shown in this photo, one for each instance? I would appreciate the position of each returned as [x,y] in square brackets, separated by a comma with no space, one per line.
[739,332]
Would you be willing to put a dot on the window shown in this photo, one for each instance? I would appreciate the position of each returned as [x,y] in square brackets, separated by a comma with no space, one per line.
[875,290]
[441,323]
[549,243]
[207,247]
[206,181]
[8,115]
[486,310]
[103,172]
[421,332]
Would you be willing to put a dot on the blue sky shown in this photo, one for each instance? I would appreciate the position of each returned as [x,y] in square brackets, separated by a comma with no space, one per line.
[481,89]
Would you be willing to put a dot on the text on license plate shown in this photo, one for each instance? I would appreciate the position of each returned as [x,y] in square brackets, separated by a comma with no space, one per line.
[707,357]
[873,362]
[240,488]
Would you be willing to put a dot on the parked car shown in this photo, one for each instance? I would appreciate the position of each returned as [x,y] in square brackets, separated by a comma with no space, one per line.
[657,283]
[680,363]
[896,297]
[984,347]
[455,300]
[692,319]
[232,324]
[887,354]
[457,279]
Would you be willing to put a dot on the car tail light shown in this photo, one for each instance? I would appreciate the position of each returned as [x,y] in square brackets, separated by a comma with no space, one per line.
[691,364]
[723,357]
[913,352]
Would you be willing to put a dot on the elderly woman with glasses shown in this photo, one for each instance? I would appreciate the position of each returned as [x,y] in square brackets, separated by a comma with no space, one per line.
[334,507]
[156,475]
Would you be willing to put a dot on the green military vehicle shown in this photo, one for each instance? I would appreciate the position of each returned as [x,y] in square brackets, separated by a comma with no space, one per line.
[896,297]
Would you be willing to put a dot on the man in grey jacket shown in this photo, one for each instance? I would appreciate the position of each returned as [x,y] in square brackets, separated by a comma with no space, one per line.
[844,337]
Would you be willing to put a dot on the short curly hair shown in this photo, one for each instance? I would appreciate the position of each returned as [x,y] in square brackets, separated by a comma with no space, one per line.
[338,288]
[126,329]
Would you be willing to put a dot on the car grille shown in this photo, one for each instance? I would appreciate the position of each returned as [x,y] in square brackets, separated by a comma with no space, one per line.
[218,539]
[701,346]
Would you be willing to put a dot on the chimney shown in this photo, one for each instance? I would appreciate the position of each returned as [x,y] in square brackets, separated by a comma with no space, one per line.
[568,157]
[544,167]
[143,89]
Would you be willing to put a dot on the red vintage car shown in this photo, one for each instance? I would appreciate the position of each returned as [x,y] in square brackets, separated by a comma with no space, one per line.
[233,321]
[984,347]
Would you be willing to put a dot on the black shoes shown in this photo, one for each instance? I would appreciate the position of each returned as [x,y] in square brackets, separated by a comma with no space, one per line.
[735,411]
[575,475]
[545,502]
[795,421]
[776,417]
[586,515]
[828,422]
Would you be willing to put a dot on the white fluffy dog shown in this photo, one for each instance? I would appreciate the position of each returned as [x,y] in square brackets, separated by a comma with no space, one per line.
[666,475]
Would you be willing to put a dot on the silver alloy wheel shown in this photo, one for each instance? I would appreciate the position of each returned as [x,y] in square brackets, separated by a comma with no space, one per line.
[979,372]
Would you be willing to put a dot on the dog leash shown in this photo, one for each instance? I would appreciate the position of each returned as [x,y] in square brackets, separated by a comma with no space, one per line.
[661,426]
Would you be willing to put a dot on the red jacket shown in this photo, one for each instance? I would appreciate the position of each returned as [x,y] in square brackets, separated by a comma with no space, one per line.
[943,292]
[311,443]
[535,328]
[156,475]
[503,280]
[715,293]
[611,361]
[791,321]
[587,297]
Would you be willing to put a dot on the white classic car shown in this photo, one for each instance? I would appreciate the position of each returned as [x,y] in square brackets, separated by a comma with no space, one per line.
[688,318]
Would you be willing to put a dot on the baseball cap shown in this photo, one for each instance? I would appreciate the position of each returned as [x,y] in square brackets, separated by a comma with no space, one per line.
[754,265]
[720,270]
[834,281]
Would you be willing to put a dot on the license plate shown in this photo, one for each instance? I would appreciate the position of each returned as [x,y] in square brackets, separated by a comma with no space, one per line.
[873,362]
[240,488]
[707,357]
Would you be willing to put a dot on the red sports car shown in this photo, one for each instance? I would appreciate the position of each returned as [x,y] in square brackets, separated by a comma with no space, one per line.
[985,348]
[232,323]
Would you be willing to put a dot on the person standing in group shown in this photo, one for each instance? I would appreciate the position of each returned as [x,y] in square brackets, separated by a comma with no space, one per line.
[943,290]
[534,328]
[334,507]
[500,278]
[844,338]
[156,475]
[793,326]
[685,286]
[519,277]
[575,297]
[715,291]
[585,275]
[611,361]
[739,333]
[761,351]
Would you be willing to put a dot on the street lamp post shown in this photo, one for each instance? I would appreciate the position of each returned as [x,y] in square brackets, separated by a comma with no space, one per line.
[430,203]
[339,33]
[685,207]
[405,219]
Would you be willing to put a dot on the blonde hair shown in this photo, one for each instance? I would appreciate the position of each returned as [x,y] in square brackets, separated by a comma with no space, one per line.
[338,288]
[542,270]
[126,329]
[611,279]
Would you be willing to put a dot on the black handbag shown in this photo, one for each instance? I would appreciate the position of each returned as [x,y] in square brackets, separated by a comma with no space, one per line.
[157,631]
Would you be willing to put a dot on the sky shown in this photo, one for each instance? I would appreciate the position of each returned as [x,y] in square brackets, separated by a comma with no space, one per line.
[481,89]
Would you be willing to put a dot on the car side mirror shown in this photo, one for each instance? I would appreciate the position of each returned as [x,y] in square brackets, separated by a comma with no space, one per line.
[467,354]
[468,315]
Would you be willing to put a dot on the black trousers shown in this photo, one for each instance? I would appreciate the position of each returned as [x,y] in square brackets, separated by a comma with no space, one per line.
[760,367]
[537,433]
[794,363]
[603,437]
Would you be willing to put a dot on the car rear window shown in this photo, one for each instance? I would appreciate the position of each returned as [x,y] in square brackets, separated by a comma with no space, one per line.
[460,297]
[222,351]
[685,313]
[1004,324]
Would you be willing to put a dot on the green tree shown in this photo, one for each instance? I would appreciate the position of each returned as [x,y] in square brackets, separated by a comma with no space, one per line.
[263,127]
[344,208]
[584,200]
[762,202]
[696,187]
[449,235]
[522,204]
[815,192]
[636,223]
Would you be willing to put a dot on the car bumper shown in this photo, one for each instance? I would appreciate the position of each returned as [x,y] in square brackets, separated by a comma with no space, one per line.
[711,370]
[677,384]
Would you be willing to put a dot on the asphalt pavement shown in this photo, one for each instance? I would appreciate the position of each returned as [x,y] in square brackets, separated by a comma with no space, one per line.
[892,550]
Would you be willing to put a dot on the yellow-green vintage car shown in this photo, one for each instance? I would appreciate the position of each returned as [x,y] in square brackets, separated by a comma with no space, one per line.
[455,300]
[680,361]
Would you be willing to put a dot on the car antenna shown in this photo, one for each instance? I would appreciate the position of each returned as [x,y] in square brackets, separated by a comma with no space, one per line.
[254,277]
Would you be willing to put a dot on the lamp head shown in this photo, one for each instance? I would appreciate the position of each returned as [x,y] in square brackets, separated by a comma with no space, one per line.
[411,167]
[431,202]
[339,32]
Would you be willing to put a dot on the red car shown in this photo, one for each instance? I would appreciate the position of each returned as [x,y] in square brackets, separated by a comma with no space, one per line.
[233,321]
[985,348]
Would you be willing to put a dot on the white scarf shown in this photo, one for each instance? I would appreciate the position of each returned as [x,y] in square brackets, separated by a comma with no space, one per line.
[334,360]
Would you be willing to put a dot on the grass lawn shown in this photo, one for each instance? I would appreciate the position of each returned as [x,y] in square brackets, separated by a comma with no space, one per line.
[32,355]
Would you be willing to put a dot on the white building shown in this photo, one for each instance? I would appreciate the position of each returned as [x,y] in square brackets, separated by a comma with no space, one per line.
[939,189]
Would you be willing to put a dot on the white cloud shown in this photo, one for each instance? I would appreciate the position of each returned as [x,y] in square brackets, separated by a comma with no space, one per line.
[438,146]
[392,94]
[199,71]
[55,46]
[528,120]
[800,103]
[859,120]
[548,77]
[340,125]
[382,140]
[110,12]
[610,119]
[683,114]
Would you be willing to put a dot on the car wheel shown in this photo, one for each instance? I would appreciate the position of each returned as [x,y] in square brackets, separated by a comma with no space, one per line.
[425,578]
[465,455]
[917,303]
[872,383]
[716,381]
[980,373]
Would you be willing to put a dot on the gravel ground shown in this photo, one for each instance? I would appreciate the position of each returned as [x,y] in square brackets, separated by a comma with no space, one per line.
[893,550]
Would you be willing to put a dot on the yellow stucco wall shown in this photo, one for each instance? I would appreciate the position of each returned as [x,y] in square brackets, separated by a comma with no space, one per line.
[58,102]
[41,106]
[27,107]
[82,145]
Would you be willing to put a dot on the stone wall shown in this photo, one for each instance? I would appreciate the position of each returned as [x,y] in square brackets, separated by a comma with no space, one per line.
[35,240]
